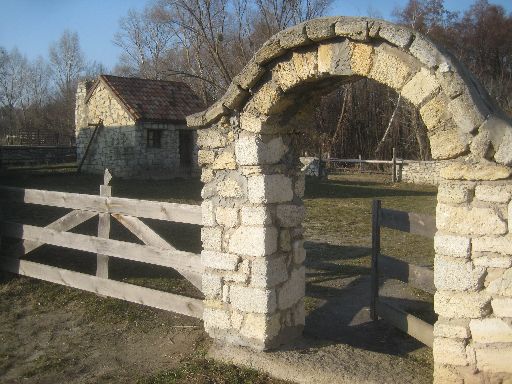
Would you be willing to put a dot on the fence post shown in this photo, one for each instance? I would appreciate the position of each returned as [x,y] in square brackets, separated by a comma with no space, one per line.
[360,165]
[393,176]
[374,285]
[104,227]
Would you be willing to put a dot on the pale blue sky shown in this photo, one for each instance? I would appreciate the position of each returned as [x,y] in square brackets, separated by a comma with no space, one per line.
[31,25]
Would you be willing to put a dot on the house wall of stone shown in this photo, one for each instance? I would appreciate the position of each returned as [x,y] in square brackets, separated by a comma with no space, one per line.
[121,144]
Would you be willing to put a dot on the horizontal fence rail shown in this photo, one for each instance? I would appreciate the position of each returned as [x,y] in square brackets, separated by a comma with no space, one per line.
[417,276]
[159,210]
[127,212]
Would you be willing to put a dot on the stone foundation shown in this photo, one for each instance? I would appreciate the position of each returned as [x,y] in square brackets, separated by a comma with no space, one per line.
[420,172]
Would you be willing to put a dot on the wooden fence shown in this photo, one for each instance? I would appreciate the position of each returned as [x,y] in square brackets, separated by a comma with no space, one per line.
[414,275]
[155,250]
[333,162]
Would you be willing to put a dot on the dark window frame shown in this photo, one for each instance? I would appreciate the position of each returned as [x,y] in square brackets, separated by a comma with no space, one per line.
[154,138]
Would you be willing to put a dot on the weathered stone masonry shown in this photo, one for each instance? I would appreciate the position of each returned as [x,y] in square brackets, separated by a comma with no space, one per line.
[121,144]
[252,210]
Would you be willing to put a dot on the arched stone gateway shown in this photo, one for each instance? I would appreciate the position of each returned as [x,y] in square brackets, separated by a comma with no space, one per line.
[252,209]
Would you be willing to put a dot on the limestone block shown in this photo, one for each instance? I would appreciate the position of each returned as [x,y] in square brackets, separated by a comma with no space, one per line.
[207,213]
[494,359]
[420,87]
[253,241]
[211,286]
[251,123]
[492,330]
[452,328]
[249,76]
[395,34]
[447,142]
[492,260]
[494,193]
[256,216]
[207,175]
[211,138]
[269,51]
[501,244]
[503,285]
[215,112]
[450,351]
[465,113]
[457,275]
[294,37]
[285,240]
[293,290]
[299,253]
[335,58]
[302,66]
[392,67]
[227,216]
[211,238]
[455,193]
[502,306]
[290,215]
[226,160]
[445,374]
[463,220]
[424,50]
[219,260]
[267,273]
[270,189]
[452,83]
[321,28]
[461,304]
[268,99]
[504,153]
[216,318]
[260,327]
[354,28]
[482,170]
[454,246]
[257,150]
[234,97]
[300,185]
[230,188]
[362,58]
[249,299]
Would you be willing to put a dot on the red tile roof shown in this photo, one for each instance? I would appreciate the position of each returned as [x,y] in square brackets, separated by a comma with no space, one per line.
[152,100]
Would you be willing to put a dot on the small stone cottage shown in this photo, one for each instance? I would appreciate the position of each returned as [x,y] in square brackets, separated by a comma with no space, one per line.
[141,127]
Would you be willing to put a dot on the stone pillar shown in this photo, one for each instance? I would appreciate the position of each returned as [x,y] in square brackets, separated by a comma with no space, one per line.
[473,277]
[254,279]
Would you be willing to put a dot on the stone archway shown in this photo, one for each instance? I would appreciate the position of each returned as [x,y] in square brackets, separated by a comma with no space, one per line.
[252,209]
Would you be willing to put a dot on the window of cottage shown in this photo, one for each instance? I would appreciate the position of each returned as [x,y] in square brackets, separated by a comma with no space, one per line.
[154,138]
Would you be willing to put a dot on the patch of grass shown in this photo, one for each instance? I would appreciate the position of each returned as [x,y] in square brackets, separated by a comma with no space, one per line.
[203,371]
[45,364]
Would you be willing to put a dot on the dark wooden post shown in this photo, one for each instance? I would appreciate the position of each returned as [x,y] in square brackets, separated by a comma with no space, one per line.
[360,165]
[393,170]
[374,286]
[104,227]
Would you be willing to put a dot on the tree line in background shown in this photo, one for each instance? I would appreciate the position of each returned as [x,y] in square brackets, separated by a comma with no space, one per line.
[37,98]
[207,42]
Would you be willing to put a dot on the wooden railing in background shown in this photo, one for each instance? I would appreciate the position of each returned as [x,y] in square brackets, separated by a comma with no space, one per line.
[155,250]
[417,276]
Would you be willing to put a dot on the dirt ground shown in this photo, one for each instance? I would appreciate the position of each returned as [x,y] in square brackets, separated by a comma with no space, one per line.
[51,334]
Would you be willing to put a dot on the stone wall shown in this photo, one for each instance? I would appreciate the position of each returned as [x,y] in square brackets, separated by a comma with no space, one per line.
[121,144]
[473,277]
[420,172]
[252,210]
[254,281]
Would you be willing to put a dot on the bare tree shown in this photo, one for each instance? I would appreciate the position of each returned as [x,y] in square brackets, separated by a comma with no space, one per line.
[67,62]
